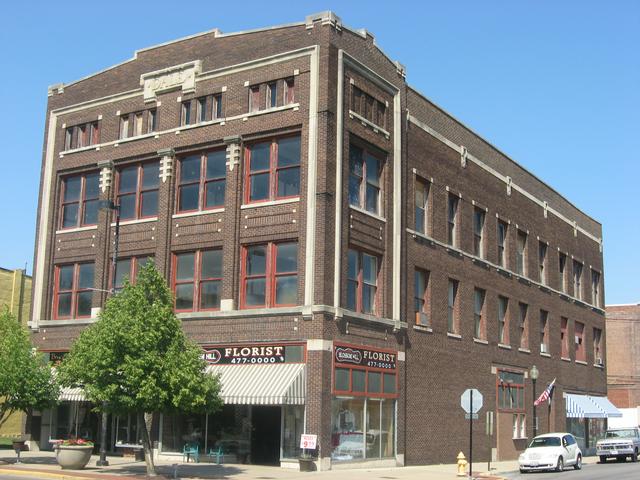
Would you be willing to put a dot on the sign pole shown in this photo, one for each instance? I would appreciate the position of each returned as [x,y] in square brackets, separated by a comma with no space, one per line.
[471,440]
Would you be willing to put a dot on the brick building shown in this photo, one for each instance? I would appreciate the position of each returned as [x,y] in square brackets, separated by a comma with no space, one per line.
[350,257]
[623,361]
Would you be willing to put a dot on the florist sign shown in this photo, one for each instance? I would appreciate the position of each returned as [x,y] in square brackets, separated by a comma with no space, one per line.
[244,354]
[364,357]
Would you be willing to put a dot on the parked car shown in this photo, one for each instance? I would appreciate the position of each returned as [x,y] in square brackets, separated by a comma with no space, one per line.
[551,451]
[619,443]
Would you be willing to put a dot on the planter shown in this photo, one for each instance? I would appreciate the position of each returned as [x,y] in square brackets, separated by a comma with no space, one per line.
[73,457]
[306,464]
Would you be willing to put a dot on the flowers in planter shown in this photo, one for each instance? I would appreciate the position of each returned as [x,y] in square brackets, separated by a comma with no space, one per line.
[76,442]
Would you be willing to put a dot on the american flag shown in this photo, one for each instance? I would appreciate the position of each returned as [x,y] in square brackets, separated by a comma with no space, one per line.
[547,394]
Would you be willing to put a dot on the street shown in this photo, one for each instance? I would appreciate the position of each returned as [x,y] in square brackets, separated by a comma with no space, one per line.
[596,471]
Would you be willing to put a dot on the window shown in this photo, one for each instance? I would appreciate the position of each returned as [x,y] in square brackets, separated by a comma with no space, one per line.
[362,281]
[137,126]
[197,280]
[502,242]
[254,98]
[519,426]
[478,228]
[577,280]
[523,323]
[542,262]
[152,120]
[595,289]
[422,205]
[562,268]
[202,181]
[581,354]
[368,107]
[128,268]
[503,319]
[521,253]
[365,170]
[544,332]
[138,191]
[365,382]
[124,126]
[272,95]
[272,170]
[201,109]
[133,124]
[479,327]
[452,310]
[73,291]
[289,91]
[421,297]
[83,135]
[185,113]
[80,195]
[511,391]
[452,214]
[564,337]
[269,275]
[598,357]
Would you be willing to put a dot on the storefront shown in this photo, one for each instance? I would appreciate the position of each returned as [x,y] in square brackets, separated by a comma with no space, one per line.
[365,392]
[587,419]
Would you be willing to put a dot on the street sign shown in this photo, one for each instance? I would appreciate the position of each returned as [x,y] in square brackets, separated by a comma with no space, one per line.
[472,416]
[471,403]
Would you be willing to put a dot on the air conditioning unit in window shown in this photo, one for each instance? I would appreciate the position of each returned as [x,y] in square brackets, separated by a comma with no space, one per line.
[544,348]
[422,319]
[599,361]
[578,340]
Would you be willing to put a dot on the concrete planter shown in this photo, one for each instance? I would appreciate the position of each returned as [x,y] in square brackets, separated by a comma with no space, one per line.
[306,464]
[73,457]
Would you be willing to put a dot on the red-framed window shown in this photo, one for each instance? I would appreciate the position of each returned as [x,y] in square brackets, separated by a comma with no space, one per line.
[365,172]
[365,382]
[197,280]
[82,135]
[510,391]
[272,170]
[201,109]
[581,352]
[254,98]
[138,191]
[362,281]
[73,290]
[79,200]
[269,275]
[289,91]
[202,181]
[128,268]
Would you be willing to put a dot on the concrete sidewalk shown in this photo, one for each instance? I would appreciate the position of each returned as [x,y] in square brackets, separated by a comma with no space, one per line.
[43,465]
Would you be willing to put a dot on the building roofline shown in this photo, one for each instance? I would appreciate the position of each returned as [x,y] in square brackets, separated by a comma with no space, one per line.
[11,270]
[622,305]
[491,145]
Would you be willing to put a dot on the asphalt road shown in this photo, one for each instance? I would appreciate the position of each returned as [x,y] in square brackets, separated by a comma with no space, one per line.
[597,471]
[18,477]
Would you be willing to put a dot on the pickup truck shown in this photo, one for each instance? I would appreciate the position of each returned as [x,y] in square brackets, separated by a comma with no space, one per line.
[619,443]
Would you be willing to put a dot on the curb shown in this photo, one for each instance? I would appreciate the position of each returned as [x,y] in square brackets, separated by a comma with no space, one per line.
[40,473]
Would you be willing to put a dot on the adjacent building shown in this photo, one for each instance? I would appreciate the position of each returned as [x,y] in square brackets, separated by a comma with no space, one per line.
[349,256]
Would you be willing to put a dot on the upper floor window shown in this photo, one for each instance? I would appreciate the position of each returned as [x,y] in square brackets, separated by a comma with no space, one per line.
[524,325]
[254,98]
[595,289]
[564,337]
[542,262]
[272,94]
[368,107]
[201,109]
[577,279]
[598,358]
[289,91]
[521,253]
[502,243]
[83,135]
[138,191]
[421,205]
[127,269]
[362,282]
[272,170]
[562,269]
[452,216]
[581,354]
[138,123]
[503,319]
[365,170]
[453,323]
[478,230]
[544,332]
[511,391]
[479,327]
[79,204]
[202,181]
[269,275]
[73,290]
[421,297]
[197,280]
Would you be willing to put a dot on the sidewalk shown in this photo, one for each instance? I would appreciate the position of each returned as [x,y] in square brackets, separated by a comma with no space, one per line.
[43,465]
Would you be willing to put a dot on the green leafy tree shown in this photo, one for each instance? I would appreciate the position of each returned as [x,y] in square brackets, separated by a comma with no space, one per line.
[136,359]
[26,382]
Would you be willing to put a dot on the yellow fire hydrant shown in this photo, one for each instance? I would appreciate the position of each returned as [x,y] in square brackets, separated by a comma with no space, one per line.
[462,465]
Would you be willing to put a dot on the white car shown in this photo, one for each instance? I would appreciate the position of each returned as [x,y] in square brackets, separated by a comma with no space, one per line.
[552,451]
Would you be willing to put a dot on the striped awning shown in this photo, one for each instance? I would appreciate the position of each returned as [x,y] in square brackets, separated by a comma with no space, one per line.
[72,394]
[580,406]
[606,406]
[278,384]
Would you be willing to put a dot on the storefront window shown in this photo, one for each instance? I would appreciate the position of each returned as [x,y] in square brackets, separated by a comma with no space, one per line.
[293,428]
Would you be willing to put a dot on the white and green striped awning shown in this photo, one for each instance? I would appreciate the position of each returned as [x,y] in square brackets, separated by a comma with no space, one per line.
[72,394]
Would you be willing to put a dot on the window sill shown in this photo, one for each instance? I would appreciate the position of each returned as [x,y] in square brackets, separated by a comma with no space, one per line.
[198,213]
[368,123]
[565,359]
[74,230]
[480,341]
[505,346]
[599,365]
[290,106]
[581,362]
[545,354]
[68,321]
[268,203]
[423,328]
[524,350]
[457,336]
[135,221]
[366,212]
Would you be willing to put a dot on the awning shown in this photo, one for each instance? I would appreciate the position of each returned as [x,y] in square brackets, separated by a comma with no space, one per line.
[72,394]
[580,406]
[606,406]
[278,384]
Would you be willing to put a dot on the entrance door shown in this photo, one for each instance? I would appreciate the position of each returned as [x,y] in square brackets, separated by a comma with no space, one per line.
[265,438]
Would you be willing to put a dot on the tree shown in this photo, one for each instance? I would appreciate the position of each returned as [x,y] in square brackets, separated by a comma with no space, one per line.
[136,359]
[26,381]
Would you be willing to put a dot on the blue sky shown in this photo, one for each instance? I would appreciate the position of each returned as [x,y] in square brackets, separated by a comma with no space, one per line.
[553,84]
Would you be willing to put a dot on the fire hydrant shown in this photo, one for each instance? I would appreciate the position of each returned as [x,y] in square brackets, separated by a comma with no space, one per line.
[462,465]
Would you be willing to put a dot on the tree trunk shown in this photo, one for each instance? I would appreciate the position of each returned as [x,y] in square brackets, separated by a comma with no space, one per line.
[5,413]
[146,444]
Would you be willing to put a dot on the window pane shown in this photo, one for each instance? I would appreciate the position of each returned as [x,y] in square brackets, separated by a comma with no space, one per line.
[287,257]
[184,270]
[70,215]
[65,277]
[64,305]
[123,269]
[374,382]
[255,291]
[419,219]
[389,383]
[84,304]
[127,207]
[92,186]
[190,169]
[369,268]
[211,264]
[150,175]
[260,156]
[288,182]
[128,180]
[184,296]
[142,261]
[373,170]
[357,380]
[256,260]
[368,299]
[90,213]
[215,193]
[72,188]
[189,197]
[355,160]
[149,203]
[352,288]
[372,199]
[210,294]
[216,164]
[293,353]
[287,290]
[259,187]
[289,151]
[354,190]
[85,275]
[342,379]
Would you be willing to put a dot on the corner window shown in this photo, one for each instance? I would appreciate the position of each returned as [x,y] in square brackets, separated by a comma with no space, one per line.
[272,170]
[197,280]
[202,181]
[138,191]
[79,206]
[478,229]
[73,291]
[362,282]
[421,297]
[365,170]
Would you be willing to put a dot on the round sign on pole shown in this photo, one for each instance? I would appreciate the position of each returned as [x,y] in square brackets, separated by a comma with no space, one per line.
[466,402]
